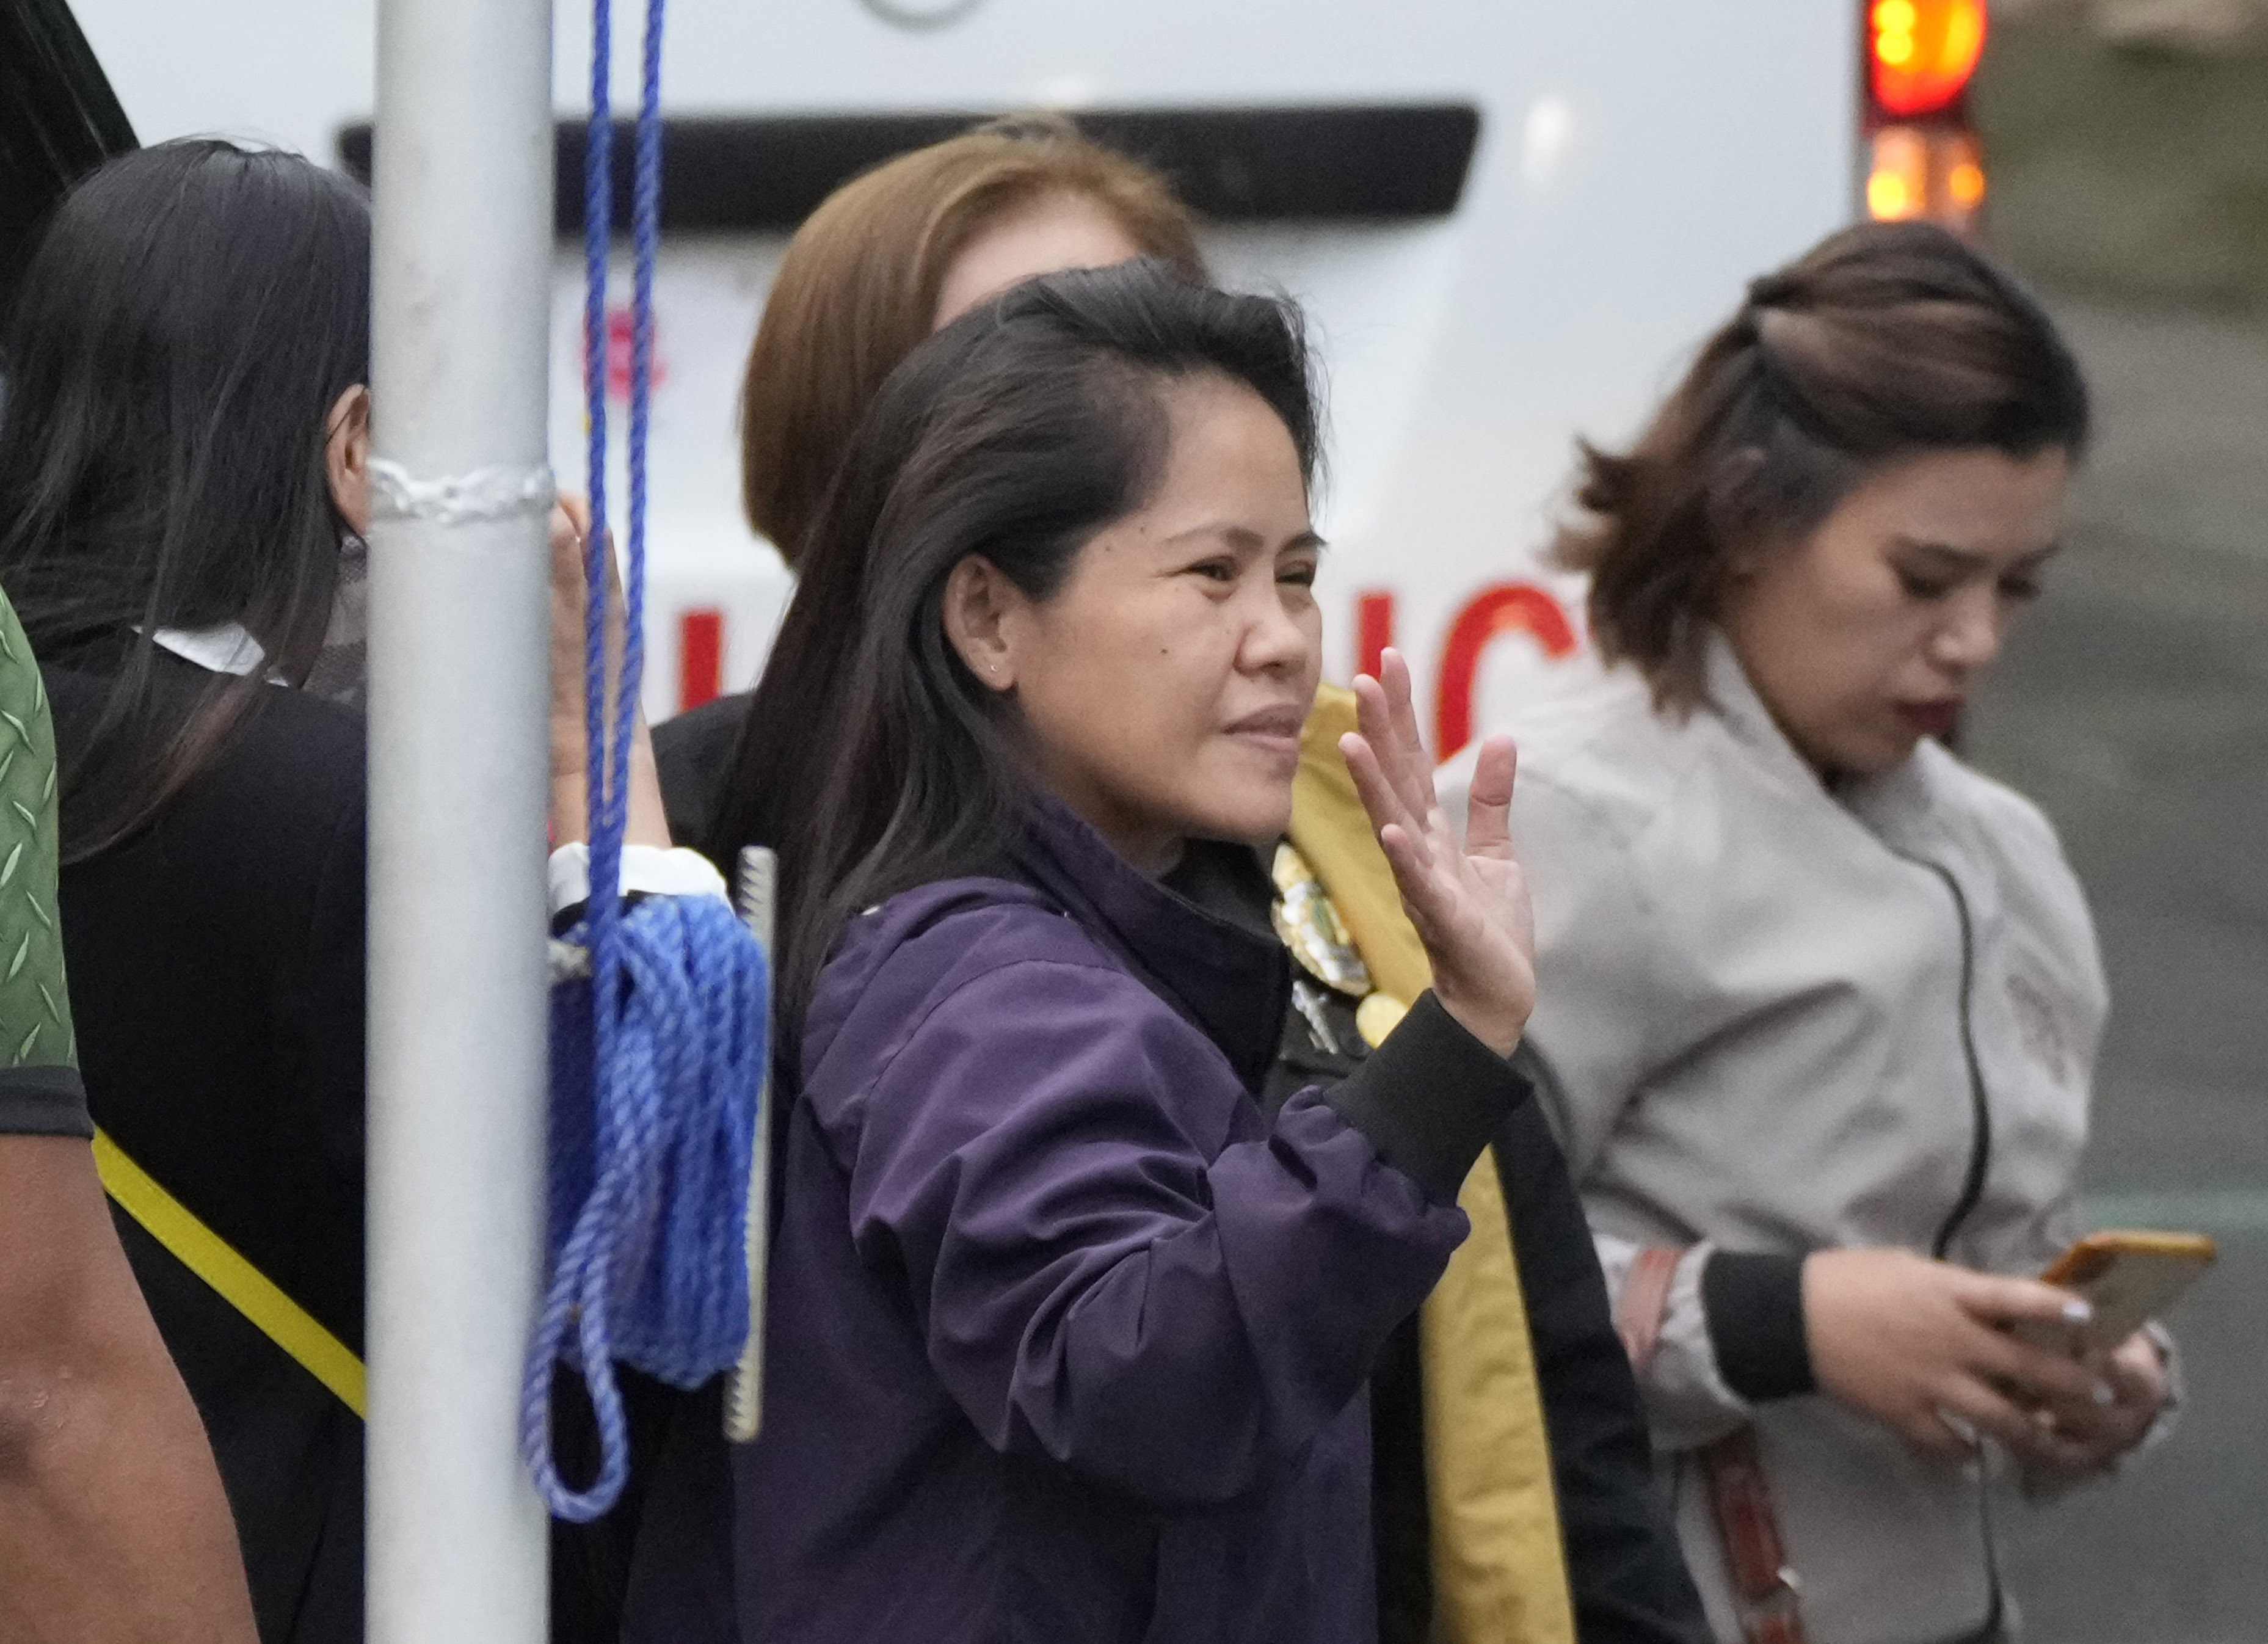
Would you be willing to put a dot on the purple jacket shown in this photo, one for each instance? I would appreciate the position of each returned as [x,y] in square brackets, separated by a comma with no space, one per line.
[1066,1338]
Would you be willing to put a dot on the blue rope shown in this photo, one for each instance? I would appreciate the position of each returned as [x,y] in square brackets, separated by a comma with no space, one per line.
[649,1177]
[657,1064]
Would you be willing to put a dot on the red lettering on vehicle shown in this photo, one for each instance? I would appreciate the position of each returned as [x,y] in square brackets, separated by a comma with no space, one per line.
[1374,628]
[1507,608]
[621,346]
[700,657]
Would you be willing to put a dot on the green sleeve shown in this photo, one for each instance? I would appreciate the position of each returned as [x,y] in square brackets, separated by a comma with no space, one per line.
[35,1024]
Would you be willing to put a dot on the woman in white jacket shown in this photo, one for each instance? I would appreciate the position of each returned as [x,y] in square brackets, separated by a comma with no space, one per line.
[1819,1004]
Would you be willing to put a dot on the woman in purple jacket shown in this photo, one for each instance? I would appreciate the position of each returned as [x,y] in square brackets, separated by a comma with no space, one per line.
[1067,1338]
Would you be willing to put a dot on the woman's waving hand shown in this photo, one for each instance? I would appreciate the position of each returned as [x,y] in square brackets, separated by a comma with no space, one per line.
[1468,901]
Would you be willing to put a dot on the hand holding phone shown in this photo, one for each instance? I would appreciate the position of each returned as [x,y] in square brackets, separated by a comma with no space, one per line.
[2129,1278]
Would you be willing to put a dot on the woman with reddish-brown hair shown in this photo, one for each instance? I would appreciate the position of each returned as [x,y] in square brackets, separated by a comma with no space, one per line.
[886,260]
[1556,1473]
[892,255]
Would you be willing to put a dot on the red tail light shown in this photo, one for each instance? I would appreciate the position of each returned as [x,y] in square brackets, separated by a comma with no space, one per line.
[1920,54]
[1923,158]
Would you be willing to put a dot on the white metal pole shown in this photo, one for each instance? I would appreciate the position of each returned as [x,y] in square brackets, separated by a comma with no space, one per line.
[458,780]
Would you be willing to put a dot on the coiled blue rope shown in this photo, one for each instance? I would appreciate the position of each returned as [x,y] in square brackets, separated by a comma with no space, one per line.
[657,1065]
[649,1175]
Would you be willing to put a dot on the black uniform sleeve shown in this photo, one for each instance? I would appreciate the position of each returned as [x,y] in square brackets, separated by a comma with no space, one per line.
[692,755]
[1626,1573]
[1430,1097]
[43,1101]
[321,1055]
[1754,1305]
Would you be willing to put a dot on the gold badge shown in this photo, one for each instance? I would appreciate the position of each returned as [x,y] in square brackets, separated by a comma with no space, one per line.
[1310,926]
[1376,1017]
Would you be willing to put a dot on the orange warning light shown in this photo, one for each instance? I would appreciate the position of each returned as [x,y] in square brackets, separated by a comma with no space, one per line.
[1897,182]
[1929,171]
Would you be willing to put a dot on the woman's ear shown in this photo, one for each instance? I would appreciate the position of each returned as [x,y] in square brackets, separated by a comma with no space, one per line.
[979,603]
[346,457]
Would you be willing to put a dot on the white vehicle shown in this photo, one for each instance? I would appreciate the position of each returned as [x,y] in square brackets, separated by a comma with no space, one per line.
[1509,221]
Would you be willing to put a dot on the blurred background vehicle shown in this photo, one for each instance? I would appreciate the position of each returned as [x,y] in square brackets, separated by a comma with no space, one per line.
[1432,181]
[1508,222]
[1511,221]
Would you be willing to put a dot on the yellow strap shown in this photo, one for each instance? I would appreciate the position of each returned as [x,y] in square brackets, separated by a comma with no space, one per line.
[1499,1561]
[1332,830]
[241,1284]
[1499,1557]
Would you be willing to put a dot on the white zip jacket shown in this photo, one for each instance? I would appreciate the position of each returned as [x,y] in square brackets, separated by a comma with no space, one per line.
[1776,1020]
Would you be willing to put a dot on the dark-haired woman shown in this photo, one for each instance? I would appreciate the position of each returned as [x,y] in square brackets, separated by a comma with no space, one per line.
[1539,1522]
[1067,1334]
[182,490]
[1819,1003]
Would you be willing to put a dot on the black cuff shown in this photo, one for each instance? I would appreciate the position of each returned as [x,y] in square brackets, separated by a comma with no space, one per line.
[1754,1305]
[571,916]
[43,1101]
[1430,1098]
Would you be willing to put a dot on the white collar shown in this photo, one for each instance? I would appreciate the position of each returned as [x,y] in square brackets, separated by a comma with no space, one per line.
[1897,806]
[1733,696]
[225,648]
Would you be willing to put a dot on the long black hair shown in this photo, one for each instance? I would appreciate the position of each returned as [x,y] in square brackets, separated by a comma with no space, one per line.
[872,759]
[192,313]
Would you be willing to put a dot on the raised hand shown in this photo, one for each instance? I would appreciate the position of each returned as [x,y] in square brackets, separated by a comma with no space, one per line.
[571,524]
[1468,902]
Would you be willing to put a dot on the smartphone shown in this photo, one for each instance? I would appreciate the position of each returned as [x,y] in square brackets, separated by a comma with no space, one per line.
[2130,1278]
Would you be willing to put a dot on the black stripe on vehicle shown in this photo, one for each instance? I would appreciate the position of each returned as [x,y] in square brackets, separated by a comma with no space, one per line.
[1383,163]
